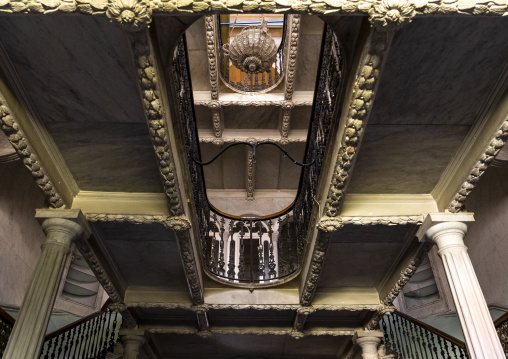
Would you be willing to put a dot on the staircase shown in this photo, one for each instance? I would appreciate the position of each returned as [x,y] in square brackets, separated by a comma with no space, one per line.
[80,284]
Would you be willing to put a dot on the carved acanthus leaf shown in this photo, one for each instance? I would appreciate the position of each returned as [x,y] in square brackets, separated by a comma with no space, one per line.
[495,145]
[31,161]
[360,104]
[177,224]
[130,15]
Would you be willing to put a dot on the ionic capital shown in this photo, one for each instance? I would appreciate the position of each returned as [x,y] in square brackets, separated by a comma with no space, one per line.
[63,226]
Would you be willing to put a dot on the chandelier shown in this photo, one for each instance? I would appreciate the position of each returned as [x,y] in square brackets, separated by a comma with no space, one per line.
[253,50]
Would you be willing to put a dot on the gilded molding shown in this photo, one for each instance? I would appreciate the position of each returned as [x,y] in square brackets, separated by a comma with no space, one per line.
[365,86]
[190,266]
[31,161]
[407,273]
[228,140]
[332,224]
[250,175]
[212,104]
[250,331]
[98,270]
[318,7]
[211,49]
[154,111]
[130,15]
[127,318]
[495,145]
[278,307]
[177,224]
[317,260]
[293,50]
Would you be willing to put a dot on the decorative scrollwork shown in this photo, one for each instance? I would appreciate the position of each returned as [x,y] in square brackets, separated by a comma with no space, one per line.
[390,15]
[177,224]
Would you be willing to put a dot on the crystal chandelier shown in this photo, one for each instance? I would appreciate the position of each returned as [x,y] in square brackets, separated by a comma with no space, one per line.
[253,50]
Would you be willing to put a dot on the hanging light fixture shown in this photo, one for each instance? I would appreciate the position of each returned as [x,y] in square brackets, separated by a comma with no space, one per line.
[253,50]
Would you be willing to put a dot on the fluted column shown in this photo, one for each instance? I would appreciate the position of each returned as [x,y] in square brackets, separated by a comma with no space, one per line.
[447,231]
[132,340]
[61,228]
[368,341]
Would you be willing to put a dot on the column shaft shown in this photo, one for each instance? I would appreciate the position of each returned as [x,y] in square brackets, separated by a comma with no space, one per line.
[30,328]
[481,337]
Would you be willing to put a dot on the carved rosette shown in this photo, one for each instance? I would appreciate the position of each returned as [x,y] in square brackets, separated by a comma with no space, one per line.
[130,15]
[390,15]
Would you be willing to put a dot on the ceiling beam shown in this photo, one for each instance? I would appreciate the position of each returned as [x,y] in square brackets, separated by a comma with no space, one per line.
[213,59]
[342,151]
[485,139]
[25,131]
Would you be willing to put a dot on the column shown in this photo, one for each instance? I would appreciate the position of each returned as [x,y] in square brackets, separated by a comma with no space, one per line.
[368,341]
[447,231]
[132,340]
[61,228]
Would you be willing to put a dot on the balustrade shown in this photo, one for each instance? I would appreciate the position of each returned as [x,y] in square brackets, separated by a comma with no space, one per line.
[246,250]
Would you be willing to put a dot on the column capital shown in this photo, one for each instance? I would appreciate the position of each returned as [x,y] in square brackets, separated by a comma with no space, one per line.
[71,220]
[369,341]
[436,223]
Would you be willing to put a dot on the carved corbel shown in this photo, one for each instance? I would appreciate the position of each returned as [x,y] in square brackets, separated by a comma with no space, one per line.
[127,318]
[296,334]
[130,15]
[391,15]
[202,317]
[382,310]
[301,316]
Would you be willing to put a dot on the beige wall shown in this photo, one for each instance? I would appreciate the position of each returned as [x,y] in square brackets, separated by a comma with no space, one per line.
[20,234]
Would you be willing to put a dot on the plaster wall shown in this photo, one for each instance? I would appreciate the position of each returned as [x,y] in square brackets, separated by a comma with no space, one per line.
[20,235]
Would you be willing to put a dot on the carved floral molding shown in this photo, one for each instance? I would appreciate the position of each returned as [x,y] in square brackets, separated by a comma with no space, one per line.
[135,15]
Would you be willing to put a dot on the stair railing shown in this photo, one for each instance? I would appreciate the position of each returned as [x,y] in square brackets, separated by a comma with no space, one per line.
[90,337]
[6,324]
[502,331]
[408,338]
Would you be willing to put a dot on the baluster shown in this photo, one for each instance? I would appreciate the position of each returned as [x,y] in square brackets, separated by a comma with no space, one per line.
[263,81]
[114,330]
[221,254]
[435,342]
[48,348]
[442,345]
[430,344]
[411,328]
[386,337]
[400,336]
[68,341]
[395,336]
[241,265]
[104,344]
[74,343]
[261,266]
[231,264]
[449,349]
[239,85]
[463,354]
[93,344]
[291,248]
[87,338]
[419,341]
[256,83]
[411,339]
[272,273]
[100,335]
[276,72]
[213,264]
[282,264]
[251,88]
[270,79]
[81,339]
[406,336]
[245,84]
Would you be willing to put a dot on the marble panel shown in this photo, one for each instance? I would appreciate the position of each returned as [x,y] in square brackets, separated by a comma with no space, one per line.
[361,256]
[404,159]
[195,35]
[314,346]
[213,172]
[111,157]
[203,116]
[309,50]
[441,72]
[198,66]
[250,117]
[311,25]
[234,165]
[268,165]
[147,262]
[300,117]
[289,173]
[249,344]
[252,317]
[77,69]
[184,346]
[20,234]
